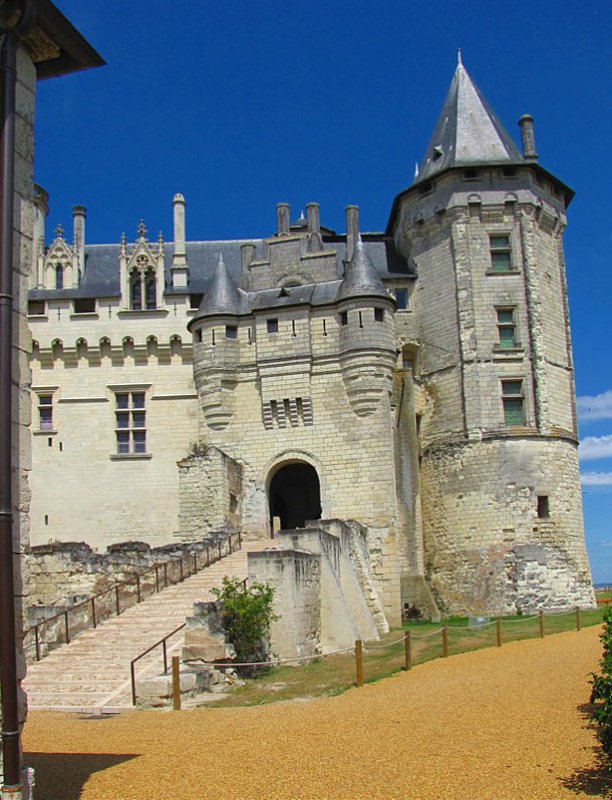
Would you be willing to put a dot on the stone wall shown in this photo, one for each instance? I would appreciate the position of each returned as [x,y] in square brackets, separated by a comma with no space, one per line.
[488,551]
[295,577]
[65,573]
[210,492]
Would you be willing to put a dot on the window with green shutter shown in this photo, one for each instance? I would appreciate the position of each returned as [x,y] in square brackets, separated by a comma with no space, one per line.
[506,328]
[501,253]
[513,403]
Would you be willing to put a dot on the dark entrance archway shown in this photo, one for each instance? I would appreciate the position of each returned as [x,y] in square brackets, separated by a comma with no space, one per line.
[295,495]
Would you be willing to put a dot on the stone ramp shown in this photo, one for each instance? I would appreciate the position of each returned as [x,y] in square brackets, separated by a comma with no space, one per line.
[92,673]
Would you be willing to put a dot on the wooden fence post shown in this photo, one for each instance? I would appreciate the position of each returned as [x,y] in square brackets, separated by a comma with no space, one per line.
[541,624]
[407,651]
[176,684]
[577,618]
[445,642]
[498,631]
[359,661]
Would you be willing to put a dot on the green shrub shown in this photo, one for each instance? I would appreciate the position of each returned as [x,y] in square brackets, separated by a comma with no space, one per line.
[601,693]
[247,615]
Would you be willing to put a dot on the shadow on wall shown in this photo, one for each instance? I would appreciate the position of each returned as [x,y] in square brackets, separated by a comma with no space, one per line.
[63,775]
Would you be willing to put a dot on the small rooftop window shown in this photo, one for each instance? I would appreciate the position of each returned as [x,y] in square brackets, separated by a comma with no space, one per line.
[437,154]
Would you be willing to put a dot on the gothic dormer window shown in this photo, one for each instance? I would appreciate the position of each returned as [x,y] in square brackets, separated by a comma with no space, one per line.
[59,277]
[135,290]
[150,289]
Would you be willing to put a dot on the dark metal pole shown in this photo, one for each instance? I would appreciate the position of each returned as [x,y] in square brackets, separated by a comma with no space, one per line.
[8,640]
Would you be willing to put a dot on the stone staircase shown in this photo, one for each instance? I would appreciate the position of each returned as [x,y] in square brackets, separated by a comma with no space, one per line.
[92,673]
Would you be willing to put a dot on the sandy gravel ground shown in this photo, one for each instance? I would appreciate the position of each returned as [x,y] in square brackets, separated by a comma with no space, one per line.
[499,723]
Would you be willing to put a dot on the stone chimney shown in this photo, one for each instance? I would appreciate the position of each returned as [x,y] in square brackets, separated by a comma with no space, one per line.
[247,255]
[315,243]
[352,230]
[79,214]
[526,126]
[180,268]
[282,219]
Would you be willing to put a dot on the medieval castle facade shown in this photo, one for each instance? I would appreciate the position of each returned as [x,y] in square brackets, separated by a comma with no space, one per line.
[417,381]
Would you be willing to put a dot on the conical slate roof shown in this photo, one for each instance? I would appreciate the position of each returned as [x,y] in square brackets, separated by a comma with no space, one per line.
[222,296]
[467,130]
[361,277]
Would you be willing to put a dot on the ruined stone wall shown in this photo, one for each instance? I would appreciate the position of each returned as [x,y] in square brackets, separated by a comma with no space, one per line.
[210,492]
[65,573]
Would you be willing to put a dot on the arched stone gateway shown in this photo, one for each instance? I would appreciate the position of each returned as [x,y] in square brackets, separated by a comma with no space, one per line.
[295,495]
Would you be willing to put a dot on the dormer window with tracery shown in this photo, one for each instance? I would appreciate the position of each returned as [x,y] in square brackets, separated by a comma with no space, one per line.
[143,288]
[59,276]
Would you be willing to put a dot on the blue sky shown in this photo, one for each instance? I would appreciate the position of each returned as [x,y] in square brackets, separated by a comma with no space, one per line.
[240,105]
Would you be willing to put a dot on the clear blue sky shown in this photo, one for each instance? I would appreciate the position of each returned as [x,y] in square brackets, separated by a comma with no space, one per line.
[240,105]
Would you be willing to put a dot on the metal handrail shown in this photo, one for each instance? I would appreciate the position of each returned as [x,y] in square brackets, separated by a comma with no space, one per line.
[91,600]
[163,641]
[146,652]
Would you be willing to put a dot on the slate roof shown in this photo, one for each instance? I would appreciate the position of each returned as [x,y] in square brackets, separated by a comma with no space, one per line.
[361,278]
[467,131]
[101,275]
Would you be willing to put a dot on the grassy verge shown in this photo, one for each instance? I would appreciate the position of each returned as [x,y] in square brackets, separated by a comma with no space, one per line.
[335,674]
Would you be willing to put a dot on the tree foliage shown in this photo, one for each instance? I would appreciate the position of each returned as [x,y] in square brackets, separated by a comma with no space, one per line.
[247,615]
[601,694]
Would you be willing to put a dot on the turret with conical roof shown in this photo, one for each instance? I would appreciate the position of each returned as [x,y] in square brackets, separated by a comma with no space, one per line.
[217,347]
[361,278]
[467,131]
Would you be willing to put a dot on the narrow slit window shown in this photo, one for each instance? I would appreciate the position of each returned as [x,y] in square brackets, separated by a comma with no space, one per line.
[344,318]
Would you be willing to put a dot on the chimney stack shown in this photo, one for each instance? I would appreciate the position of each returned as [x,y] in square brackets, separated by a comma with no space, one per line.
[526,126]
[79,214]
[352,230]
[282,219]
[315,243]
[247,255]
[179,269]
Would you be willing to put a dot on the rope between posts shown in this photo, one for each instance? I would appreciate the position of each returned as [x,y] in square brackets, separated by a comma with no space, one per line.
[559,613]
[522,619]
[427,635]
[382,646]
[276,661]
[470,627]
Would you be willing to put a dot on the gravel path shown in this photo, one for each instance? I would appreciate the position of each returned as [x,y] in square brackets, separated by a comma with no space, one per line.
[496,724]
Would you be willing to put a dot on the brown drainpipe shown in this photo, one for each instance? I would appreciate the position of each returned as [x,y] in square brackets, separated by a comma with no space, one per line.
[8,640]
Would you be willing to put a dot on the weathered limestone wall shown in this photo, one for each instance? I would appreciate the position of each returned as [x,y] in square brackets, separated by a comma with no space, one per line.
[65,573]
[487,549]
[210,492]
[295,576]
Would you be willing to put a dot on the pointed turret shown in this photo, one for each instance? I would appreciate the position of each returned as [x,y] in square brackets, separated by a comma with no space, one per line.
[222,296]
[361,277]
[467,131]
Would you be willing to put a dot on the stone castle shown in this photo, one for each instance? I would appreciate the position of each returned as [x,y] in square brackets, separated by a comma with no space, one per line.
[416,383]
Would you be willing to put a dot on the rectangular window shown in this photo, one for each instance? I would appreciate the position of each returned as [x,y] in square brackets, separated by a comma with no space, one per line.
[506,328]
[272,325]
[344,318]
[231,331]
[130,427]
[85,305]
[379,314]
[401,298]
[36,308]
[195,300]
[513,401]
[45,412]
[501,253]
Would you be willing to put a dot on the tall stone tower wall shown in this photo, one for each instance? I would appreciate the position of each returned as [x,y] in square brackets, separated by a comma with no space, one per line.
[502,513]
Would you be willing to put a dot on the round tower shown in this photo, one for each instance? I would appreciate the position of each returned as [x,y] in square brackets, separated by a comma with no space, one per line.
[483,224]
